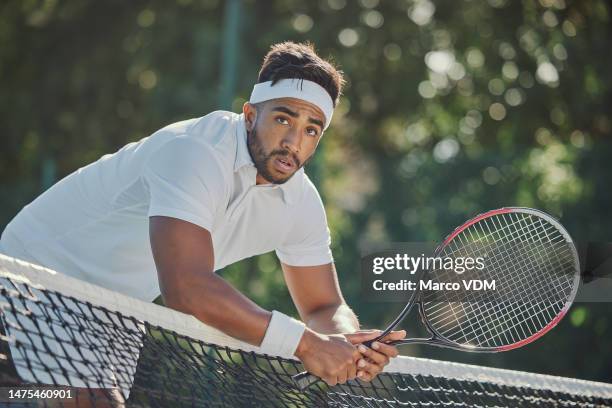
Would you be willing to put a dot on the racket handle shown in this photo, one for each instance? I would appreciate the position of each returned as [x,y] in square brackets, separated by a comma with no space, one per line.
[304,380]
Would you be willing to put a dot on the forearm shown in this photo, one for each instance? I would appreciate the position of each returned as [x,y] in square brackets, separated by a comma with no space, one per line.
[215,302]
[333,319]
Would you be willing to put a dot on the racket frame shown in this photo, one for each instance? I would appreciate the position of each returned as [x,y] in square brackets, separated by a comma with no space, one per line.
[305,379]
[437,339]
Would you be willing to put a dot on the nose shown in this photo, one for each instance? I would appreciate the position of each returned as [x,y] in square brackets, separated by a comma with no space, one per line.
[292,140]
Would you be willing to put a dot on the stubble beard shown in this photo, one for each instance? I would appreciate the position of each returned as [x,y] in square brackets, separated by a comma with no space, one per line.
[263,161]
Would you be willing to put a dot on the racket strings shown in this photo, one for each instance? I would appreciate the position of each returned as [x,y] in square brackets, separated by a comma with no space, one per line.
[450,275]
[531,262]
[511,257]
[497,325]
[496,309]
[501,328]
[535,317]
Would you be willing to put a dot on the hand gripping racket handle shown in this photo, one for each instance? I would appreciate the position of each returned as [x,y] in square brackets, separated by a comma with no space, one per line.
[305,379]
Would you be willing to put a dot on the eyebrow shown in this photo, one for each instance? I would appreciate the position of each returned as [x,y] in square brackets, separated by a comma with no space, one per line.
[294,114]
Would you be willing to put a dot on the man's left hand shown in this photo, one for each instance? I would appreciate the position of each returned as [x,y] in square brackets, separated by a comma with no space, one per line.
[377,357]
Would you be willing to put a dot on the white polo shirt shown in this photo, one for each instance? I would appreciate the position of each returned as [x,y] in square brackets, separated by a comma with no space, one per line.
[94,224]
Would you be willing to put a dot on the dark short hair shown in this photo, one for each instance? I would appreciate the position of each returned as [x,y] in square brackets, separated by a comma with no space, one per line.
[300,60]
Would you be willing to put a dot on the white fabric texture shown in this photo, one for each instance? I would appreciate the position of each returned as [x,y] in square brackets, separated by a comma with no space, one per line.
[93,224]
[282,336]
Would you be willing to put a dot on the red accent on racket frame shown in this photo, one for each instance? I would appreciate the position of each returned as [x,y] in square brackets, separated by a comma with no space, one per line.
[473,221]
[537,335]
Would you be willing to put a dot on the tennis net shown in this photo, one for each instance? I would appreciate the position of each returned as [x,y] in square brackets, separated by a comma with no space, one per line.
[68,333]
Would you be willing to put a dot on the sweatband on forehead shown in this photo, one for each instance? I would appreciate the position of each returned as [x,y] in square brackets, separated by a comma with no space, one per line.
[295,88]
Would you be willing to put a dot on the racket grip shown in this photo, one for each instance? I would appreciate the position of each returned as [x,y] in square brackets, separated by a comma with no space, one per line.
[304,380]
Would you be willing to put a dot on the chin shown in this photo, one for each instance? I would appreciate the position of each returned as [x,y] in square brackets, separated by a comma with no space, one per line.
[283,180]
[280,178]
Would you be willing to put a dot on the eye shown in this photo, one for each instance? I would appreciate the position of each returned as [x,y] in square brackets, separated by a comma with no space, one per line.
[282,120]
[312,132]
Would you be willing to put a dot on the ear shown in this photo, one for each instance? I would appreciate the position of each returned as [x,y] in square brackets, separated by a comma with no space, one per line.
[250,115]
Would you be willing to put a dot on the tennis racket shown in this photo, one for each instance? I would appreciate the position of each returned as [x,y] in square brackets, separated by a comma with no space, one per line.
[535,266]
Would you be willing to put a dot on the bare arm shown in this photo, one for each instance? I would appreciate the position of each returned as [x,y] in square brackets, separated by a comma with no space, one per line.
[316,293]
[184,257]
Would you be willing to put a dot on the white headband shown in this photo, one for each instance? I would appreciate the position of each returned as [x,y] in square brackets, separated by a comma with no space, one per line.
[295,88]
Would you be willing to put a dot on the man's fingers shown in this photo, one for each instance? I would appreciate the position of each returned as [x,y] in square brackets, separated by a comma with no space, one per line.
[352,371]
[343,376]
[364,365]
[394,335]
[386,349]
[379,349]
[362,336]
[331,381]
[370,366]
[366,335]
[372,370]
[377,358]
[365,376]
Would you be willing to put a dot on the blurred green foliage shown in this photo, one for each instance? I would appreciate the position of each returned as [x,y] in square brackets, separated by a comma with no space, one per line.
[452,108]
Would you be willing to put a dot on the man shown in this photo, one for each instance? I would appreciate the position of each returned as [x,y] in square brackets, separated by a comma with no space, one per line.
[163,214]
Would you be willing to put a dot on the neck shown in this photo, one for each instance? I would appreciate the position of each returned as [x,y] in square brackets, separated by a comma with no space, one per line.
[259,180]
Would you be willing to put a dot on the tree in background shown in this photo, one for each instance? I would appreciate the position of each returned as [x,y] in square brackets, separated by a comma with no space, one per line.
[452,108]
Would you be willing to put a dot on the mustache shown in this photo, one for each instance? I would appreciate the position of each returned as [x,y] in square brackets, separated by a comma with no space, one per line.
[286,153]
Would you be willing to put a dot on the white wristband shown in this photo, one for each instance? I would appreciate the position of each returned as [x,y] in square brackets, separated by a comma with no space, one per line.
[282,336]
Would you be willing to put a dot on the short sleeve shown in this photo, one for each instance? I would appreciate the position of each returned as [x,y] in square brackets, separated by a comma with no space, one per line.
[308,242]
[185,181]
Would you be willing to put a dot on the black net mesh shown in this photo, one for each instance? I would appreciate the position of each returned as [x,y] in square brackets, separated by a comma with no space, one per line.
[53,341]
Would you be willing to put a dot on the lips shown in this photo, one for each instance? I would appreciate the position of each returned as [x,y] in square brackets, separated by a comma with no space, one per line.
[284,164]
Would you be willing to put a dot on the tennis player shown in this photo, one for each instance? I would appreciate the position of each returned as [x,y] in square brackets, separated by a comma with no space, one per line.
[161,215]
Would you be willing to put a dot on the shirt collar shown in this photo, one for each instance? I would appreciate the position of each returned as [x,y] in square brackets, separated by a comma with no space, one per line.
[243,157]
[292,189]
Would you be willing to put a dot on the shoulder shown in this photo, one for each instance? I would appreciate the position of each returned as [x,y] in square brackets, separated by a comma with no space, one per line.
[308,200]
[216,129]
[202,150]
[207,140]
